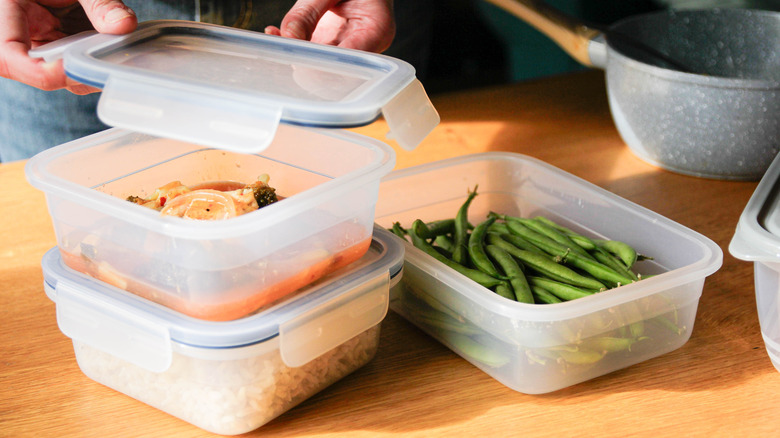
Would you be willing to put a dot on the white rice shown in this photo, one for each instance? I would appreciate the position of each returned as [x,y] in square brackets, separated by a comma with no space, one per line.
[230,396]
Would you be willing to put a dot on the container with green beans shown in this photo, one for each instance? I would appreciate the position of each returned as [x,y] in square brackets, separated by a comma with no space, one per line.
[557,281]
[529,260]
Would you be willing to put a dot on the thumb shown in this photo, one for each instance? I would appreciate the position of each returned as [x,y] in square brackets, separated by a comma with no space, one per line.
[110,16]
[301,20]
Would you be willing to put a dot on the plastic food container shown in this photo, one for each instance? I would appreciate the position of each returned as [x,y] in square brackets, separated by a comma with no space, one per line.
[221,269]
[535,348]
[757,239]
[202,103]
[227,377]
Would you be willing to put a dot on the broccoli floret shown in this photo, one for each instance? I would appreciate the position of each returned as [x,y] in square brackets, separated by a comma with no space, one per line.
[265,195]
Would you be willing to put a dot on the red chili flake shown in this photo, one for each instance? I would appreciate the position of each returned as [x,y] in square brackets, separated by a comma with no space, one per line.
[162,201]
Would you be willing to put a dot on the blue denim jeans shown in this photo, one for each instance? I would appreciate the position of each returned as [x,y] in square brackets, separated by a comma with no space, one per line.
[32,120]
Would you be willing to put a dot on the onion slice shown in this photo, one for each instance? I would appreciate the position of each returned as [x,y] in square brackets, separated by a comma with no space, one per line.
[204,204]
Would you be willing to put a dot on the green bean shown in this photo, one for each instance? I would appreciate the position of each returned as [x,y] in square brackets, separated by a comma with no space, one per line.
[554,234]
[430,301]
[533,356]
[541,355]
[480,277]
[443,251]
[581,356]
[420,229]
[598,270]
[460,252]
[543,296]
[565,292]
[545,265]
[476,247]
[579,239]
[434,229]
[591,264]
[595,322]
[583,242]
[398,230]
[475,350]
[629,319]
[445,242]
[520,286]
[505,290]
[637,324]
[571,354]
[592,267]
[607,259]
[622,330]
[498,227]
[545,243]
[521,243]
[438,228]
[610,344]
[442,322]
[668,324]
[621,250]
[554,224]
[532,231]
[565,332]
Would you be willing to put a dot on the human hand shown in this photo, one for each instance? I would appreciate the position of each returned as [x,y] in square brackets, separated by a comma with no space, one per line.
[355,24]
[28,24]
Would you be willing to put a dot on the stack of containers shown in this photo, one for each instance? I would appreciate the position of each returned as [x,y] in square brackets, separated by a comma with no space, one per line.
[227,377]
[265,308]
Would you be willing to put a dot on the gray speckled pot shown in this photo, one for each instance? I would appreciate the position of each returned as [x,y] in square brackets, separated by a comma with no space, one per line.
[723,121]
[716,117]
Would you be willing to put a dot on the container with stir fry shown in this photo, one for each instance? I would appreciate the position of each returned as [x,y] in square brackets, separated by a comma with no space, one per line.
[184,231]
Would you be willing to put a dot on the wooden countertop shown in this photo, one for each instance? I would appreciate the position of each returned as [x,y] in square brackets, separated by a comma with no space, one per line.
[720,383]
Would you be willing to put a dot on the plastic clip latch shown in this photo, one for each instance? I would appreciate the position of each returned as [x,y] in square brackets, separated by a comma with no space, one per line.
[410,116]
[324,328]
[201,118]
[106,326]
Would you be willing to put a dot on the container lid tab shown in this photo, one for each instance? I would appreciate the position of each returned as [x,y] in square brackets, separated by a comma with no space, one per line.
[757,235]
[410,116]
[311,334]
[167,112]
[121,332]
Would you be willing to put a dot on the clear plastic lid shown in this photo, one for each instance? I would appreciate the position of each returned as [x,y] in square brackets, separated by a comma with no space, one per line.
[230,88]
[314,320]
[757,237]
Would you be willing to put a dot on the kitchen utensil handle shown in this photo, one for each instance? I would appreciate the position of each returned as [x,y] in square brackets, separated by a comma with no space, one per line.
[572,35]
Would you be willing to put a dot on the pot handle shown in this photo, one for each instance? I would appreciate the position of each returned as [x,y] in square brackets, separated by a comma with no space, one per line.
[573,36]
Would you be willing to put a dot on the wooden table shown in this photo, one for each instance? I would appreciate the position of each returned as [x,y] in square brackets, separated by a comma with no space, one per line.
[719,383]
